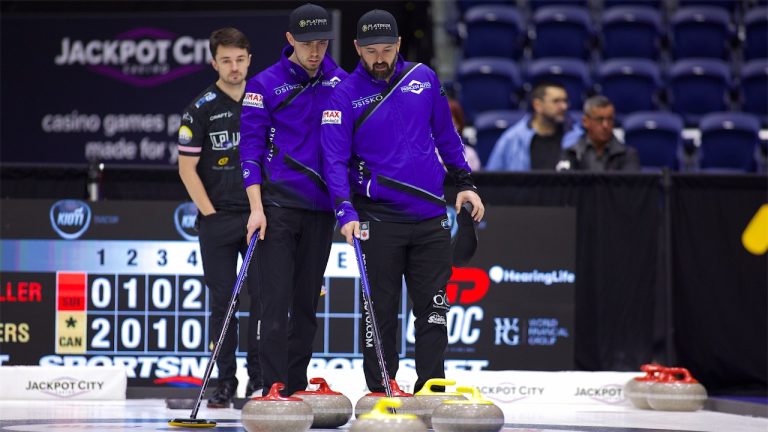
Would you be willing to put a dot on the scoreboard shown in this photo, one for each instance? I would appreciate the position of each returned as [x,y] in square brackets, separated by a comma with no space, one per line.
[120,283]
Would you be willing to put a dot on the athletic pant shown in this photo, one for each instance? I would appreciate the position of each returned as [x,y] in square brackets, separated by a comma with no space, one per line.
[291,261]
[422,253]
[222,238]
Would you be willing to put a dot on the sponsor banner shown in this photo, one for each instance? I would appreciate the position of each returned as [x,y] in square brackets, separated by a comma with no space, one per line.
[112,87]
[56,383]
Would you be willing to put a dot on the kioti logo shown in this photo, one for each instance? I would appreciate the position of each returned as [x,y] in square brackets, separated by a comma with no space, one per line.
[70,218]
[185,219]
[467,285]
[142,57]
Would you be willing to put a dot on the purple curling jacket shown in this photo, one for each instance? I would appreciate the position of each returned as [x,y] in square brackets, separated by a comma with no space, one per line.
[280,133]
[389,162]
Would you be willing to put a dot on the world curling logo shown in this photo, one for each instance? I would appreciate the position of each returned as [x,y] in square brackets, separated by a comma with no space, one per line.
[70,218]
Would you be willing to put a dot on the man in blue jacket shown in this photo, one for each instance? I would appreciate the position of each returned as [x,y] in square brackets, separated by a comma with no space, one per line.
[379,134]
[536,141]
[290,206]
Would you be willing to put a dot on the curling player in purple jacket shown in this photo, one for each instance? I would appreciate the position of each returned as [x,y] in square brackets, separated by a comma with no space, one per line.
[379,134]
[289,201]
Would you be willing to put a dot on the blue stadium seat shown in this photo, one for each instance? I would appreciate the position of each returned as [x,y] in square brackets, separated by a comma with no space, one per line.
[562,31]
[631,84]
[465,5]
[756,33]
[631,31]
[653,4]
[489,125]
[573,74]
[488,84]
[728,5]
[754,88]
[699,86]
[657,137]
[493,31]
[537,4]
[701,31]
[729,140]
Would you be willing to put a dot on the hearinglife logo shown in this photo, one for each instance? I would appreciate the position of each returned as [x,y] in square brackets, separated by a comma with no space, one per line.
[142,57]
[70,218]
[185,219]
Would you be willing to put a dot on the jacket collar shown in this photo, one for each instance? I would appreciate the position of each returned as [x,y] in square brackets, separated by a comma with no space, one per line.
[326,66]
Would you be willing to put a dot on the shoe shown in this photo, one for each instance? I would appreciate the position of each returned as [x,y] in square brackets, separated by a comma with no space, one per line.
[222,397]
[464,243]
[254,388]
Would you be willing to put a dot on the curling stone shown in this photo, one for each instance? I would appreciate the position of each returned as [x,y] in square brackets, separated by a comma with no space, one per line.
[330,409]
[381,420]
[408,403]
[474,415]
[671,393]
[275,413]
[430,399]
[637,389]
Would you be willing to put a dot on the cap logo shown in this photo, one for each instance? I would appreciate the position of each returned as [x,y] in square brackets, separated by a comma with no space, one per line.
[313,22]
[373,27]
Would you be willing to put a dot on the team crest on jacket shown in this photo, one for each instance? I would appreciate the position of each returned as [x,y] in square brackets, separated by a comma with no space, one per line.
[365,231]
[254,100]
[331,117]
[415,87]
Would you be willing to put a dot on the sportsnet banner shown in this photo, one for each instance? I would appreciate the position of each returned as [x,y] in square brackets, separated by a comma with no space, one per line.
[111,87]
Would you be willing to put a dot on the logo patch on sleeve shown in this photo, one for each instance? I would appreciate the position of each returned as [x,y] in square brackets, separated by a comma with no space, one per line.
[254,100]
[331,117]
[185,134]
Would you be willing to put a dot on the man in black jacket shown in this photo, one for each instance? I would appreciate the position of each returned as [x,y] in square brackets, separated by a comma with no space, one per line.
[598,149]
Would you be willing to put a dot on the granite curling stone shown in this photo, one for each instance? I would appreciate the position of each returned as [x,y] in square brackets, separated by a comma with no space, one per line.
[408,403]
[671,393]
[275,413]
[330,409]
[474,415]
[431,399]
[637,389]
[381,420]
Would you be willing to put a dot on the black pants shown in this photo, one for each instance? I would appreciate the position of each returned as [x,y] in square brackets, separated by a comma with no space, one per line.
[222,238]
[421,252]
[291,261]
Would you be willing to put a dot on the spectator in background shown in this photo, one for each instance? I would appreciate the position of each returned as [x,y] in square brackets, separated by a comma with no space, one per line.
[599,149]
[536,141]
[457,115]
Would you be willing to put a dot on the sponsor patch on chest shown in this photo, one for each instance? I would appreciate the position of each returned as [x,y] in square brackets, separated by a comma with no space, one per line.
[331,117]
[254,100]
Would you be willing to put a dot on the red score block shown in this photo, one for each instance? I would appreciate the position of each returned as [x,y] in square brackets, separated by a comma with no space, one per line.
[70,291]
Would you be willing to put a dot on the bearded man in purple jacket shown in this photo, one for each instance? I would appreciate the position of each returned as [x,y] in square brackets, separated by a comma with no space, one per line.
[289,202]
[380,132]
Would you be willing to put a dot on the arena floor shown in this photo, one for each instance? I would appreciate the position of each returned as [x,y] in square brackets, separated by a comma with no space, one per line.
[151,415]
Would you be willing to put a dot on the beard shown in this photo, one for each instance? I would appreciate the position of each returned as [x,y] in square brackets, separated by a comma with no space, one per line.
[378,72]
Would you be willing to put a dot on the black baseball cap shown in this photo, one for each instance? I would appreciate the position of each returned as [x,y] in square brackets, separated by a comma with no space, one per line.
[376,27]
[310,22]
